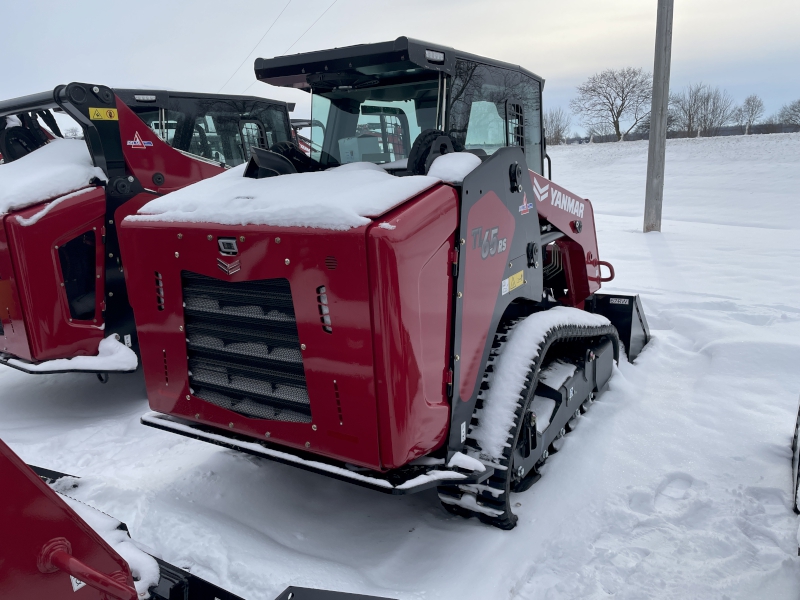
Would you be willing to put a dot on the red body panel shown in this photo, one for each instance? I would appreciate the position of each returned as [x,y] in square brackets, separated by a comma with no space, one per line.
[38,277]
[15,338]
[389,384]
[410,276]
[31,515]
[563,209]
[145,161]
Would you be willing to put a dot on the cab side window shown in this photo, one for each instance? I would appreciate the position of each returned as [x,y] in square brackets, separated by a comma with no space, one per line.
[490,107]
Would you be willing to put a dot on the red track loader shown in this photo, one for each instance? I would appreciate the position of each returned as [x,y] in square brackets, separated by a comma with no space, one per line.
[412,306]
[53,547]
[62,288]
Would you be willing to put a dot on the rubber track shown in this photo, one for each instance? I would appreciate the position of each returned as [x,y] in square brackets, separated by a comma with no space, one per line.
[501,481]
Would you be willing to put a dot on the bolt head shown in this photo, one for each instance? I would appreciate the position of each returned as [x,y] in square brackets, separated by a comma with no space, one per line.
[313,428]
[110,255]
[241,238]
[110,294]
[277,240]
[188,397]
[463,241]
[130,178]
[302,346]
[286,261]
[111,221]
[196,415]
[457,357]
[267,434]
[230,424]
[308,444]
[520,471]
[209,237]
[180,236]
[180,328]
[95,89]
[460,295]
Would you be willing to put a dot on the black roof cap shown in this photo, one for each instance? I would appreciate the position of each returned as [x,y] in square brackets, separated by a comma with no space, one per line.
[399,55]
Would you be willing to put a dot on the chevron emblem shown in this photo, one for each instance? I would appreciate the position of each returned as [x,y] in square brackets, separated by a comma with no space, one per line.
[229,269]
[541,191]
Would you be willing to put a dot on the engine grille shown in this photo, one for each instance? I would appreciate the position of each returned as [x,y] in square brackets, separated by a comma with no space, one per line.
[243,347]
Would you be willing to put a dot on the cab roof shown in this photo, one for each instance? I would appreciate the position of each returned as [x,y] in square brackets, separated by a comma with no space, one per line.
[402,56]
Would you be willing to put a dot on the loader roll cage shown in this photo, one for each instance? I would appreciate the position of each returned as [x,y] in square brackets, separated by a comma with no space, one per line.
[373,100]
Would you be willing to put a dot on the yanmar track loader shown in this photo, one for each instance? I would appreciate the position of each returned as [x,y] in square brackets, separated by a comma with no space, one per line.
[57,548]
[62,288]
[414,305]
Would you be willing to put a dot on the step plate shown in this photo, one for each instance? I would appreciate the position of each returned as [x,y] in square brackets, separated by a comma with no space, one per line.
[312,462]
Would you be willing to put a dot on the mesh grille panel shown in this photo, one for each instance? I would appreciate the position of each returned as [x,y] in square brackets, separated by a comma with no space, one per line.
[243,347]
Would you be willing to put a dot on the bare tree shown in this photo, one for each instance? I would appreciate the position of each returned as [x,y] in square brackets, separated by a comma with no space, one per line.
[616,99]
[749,113]
[685,107]
[72,132]
[702,110]
[556,125]
[717,111]
[790,113]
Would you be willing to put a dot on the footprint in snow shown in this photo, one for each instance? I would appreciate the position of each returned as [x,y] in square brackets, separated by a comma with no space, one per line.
[673,491]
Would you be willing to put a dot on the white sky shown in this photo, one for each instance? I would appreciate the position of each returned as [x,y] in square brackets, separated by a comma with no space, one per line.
[195,45]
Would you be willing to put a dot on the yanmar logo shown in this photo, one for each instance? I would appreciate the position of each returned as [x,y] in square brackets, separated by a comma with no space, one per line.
[229,268]
[567,203]
[541,191]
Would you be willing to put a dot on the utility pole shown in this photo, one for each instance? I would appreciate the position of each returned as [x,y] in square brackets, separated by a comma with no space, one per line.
[654,193]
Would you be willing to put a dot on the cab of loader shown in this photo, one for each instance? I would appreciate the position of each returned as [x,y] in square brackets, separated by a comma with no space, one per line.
[372,103]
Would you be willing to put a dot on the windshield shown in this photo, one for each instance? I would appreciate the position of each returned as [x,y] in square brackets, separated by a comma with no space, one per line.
[377,125]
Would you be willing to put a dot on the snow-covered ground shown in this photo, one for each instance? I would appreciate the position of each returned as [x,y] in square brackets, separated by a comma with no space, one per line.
[676,484]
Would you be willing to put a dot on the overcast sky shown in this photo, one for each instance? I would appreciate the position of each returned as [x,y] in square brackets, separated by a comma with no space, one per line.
[195,45]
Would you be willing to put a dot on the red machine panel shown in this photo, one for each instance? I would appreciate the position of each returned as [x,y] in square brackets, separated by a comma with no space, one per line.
[339,383]
[12,322]
[146,154]
[410,258]
[339,362]
[575,217]
[32,516]
[60,320]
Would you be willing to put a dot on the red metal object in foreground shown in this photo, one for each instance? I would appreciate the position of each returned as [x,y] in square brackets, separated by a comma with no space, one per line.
[43,542]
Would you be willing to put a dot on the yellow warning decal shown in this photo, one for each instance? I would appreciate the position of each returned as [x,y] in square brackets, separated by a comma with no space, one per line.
[513,282]
[103,114]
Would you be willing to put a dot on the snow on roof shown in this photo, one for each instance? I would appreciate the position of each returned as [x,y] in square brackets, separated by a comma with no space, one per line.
[57,168]
[454,167]
[340,198]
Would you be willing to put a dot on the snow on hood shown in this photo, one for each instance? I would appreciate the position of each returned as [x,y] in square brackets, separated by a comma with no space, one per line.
[339,199]
[57,168]
[454,167]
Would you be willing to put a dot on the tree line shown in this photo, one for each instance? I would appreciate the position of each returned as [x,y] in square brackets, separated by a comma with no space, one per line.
[615,105]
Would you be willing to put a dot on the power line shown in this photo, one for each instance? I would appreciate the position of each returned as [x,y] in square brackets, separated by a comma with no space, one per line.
[297,40]
[309,29]
[256,46]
